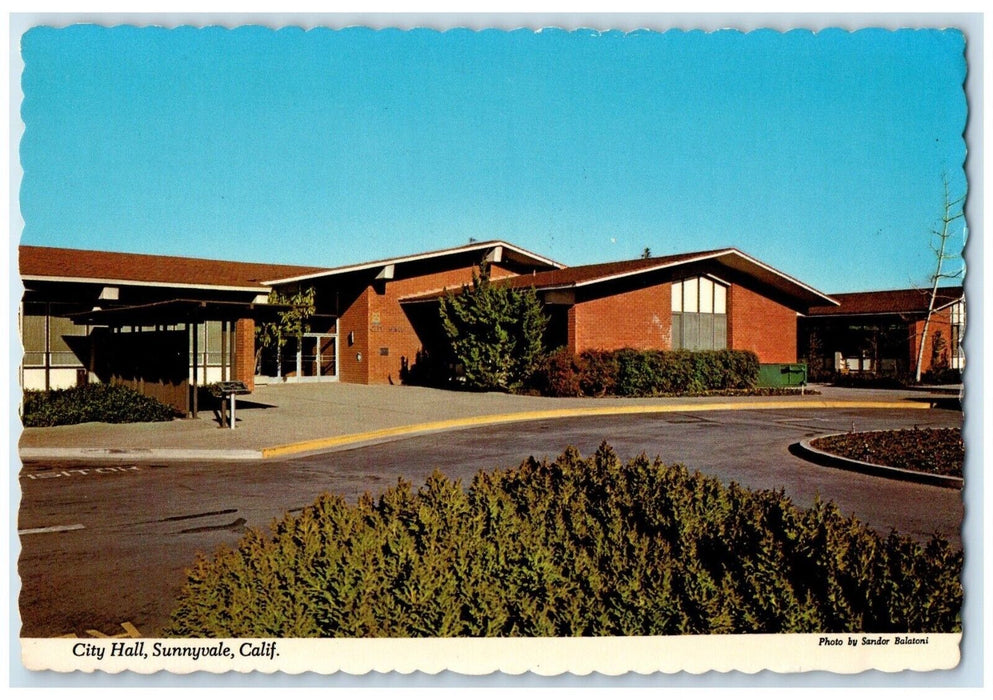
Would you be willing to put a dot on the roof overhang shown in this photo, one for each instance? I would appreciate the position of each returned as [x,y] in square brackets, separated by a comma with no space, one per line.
[109,282]
[179,311]
[730,258]
[494,251]
[951,302]
[733,259]
[736,260]
[866,314]
[947,297]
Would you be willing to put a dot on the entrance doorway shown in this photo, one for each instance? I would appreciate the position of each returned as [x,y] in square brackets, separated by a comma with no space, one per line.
[311,357]
[318,358]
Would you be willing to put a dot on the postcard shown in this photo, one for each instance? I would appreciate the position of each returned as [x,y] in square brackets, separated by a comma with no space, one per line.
[539,350]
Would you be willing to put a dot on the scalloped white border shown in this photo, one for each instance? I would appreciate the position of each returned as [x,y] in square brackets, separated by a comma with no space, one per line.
[782,653]
[969,672]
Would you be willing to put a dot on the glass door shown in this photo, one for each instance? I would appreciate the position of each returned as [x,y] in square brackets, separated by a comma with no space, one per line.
[318,359]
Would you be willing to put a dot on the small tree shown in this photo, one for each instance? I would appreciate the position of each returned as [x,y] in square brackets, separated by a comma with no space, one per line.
[495,333]
[292,323]
[953,210]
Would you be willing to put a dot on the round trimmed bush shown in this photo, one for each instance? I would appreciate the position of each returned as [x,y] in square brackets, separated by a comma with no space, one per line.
[571,547]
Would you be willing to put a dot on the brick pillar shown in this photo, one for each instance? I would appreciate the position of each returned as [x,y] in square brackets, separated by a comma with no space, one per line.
[572,340]
[244,352]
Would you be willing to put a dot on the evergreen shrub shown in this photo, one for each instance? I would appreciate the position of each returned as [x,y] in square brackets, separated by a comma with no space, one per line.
[104,403]
[577,546]
[494,332]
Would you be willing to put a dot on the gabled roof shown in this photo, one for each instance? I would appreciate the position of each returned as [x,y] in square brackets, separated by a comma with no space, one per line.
[589,275]
[507,251]
[891,301]
[68,265]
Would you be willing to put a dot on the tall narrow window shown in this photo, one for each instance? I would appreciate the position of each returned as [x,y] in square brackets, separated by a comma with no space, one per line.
[699,314]
[958,329]
[34,334]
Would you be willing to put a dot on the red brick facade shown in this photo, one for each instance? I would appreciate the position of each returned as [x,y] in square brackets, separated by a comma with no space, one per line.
[759,324]
[940,323]
[244,352]
[381,330]
[353,341]
[640,319]
[625,304]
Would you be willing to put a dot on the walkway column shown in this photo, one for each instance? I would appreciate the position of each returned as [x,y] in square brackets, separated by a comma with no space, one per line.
[244,352]
[196,351]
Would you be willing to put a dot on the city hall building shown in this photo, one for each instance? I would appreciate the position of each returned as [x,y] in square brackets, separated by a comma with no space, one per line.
[166,325]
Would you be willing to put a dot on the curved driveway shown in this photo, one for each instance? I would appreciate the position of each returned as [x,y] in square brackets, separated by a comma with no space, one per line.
[135,527]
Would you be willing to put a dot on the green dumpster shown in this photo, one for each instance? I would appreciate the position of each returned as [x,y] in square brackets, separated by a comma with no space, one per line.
[782,374]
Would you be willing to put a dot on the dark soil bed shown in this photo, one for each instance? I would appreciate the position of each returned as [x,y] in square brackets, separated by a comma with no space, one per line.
[929,450]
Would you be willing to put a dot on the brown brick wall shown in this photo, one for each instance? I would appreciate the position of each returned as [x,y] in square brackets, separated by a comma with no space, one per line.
[761,325]
[355,321]
[244,352]
[940,321]
[378,321]
[640,319]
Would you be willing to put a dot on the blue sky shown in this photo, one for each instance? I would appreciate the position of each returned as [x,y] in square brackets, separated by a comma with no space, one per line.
[821,154]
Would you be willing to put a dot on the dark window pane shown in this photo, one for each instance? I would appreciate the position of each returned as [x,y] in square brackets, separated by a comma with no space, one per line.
[706,331]
[720,331]
[691,331]
[33,333]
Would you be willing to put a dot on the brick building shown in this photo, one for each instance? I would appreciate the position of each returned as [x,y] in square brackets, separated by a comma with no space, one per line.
[161,324]
[879,333]
[361,333]
[164,324]
[697,301]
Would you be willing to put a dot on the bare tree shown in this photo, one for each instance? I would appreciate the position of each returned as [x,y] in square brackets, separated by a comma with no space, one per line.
[954,210]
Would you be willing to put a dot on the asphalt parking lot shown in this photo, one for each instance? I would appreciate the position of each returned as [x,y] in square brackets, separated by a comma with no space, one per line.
[107,544]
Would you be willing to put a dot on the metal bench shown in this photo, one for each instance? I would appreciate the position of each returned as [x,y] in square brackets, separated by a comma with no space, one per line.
[226,392]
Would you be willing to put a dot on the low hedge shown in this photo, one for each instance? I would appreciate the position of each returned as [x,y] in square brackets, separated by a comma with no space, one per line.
[104,403]
[631,372]
[571,547]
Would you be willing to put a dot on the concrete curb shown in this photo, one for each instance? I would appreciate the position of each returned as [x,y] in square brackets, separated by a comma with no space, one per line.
[387,434]
[349,441]
[805,450]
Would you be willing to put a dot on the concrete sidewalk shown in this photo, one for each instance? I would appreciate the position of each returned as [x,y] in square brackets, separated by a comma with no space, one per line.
[293,419]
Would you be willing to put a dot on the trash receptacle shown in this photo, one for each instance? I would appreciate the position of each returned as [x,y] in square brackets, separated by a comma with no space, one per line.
[782,375]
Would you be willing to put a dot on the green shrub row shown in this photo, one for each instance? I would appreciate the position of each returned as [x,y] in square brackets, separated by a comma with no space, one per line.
[105,403]
[646,372]
[571,547]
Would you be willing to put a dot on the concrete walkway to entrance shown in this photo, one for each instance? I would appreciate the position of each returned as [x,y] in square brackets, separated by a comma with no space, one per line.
[291,419]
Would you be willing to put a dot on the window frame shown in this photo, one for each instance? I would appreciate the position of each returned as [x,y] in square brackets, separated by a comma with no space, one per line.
[694,312]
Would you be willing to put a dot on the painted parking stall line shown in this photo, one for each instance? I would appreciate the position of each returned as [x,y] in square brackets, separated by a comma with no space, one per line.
[51,528]
[79,471]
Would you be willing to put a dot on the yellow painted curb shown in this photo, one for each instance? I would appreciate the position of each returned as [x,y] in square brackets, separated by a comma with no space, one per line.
[499,418]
